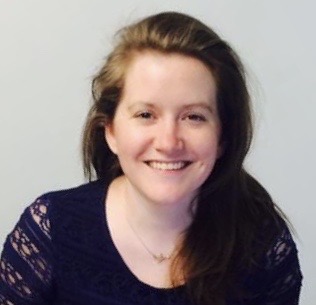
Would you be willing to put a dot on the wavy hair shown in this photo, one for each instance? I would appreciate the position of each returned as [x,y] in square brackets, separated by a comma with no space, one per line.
[232,206]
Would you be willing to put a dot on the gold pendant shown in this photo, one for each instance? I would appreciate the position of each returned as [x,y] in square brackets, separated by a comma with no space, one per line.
[160,258]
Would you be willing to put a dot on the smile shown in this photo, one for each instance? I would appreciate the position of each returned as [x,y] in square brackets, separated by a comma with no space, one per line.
[168,165]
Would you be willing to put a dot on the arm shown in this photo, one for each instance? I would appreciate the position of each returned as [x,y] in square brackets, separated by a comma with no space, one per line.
[278,279]
[26,261]
[284,277]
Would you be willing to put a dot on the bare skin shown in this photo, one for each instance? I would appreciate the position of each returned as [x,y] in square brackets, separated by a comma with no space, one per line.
[158,237]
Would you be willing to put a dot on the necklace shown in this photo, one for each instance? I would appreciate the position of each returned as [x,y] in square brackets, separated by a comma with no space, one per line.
[159,258]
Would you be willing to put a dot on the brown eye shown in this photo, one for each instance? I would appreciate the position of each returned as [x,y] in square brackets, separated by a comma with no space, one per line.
[145,115]
[196,117]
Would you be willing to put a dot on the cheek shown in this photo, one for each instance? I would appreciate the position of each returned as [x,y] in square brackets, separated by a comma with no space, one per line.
[130,142]
[206,144]
[209,155]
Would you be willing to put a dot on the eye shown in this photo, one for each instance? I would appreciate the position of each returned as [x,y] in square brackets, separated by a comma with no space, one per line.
[144,115]
[196,117]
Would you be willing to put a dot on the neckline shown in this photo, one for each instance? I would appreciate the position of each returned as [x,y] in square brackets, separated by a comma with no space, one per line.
[110,243]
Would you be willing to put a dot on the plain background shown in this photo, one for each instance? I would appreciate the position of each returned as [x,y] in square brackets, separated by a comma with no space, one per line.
[50,50]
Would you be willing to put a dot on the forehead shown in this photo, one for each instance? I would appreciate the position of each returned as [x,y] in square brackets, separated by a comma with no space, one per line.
[152,75]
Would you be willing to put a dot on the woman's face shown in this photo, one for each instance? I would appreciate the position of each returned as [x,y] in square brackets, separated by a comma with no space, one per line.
[166,129]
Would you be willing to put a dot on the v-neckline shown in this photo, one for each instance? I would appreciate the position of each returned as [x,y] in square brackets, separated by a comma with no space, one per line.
[113,249]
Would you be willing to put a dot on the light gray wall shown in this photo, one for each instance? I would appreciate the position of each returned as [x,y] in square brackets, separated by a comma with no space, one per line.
[50,49]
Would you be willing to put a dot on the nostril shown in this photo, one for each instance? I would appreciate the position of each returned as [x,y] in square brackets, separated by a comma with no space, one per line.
[169,144]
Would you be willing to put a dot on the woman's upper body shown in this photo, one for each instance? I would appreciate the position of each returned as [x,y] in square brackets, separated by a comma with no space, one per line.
[62,252]
[170,127]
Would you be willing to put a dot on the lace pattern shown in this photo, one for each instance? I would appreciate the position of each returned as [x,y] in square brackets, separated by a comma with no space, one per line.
[31,254]
[14,279]
[60,245]
[39,213]
[5,301]
[280,251]
[24,265]
[278,278]
[282,258]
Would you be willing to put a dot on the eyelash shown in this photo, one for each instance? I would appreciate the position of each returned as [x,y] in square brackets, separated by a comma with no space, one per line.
[144,115]
[196,117]
[147,115]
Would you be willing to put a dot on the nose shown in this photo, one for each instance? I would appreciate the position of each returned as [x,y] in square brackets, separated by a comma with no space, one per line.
[168,139]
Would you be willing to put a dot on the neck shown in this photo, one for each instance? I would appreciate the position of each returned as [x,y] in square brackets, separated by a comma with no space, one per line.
[157,221]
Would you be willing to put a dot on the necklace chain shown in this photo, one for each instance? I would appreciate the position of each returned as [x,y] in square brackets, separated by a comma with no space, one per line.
[159,258]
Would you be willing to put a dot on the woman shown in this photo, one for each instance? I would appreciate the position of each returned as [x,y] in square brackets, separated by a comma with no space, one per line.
[173,217]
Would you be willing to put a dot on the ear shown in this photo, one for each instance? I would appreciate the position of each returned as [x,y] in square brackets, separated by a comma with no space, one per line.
[110,138]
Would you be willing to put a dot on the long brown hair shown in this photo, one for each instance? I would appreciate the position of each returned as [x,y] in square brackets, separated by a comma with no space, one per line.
[233,207]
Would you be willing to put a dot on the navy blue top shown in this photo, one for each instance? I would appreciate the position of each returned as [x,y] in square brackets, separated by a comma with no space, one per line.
[61,252]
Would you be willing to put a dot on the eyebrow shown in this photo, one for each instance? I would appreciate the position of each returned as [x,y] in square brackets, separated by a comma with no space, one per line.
[186,106]
[201,104]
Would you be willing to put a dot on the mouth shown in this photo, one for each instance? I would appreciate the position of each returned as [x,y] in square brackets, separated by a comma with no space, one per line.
[168,166]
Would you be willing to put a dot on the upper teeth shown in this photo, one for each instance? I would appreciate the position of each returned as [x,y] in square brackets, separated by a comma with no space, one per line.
[167,166]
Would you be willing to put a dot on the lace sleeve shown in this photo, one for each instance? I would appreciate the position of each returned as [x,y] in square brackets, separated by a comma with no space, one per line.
[278,281]
[26,261]
[283,266]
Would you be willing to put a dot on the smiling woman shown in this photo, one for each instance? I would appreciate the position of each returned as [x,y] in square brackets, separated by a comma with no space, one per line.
[166,130]
[173,217]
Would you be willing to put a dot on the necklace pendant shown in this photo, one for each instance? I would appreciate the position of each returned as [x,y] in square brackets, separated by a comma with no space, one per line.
[160,258]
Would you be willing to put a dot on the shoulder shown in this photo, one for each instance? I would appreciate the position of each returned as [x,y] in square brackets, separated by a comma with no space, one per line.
[283,249]
[281,263]
[78,193]
[278,276]
[71,198]
[58,206]
[75,214]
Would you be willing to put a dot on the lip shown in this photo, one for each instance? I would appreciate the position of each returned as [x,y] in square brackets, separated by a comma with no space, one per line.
[168,166]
